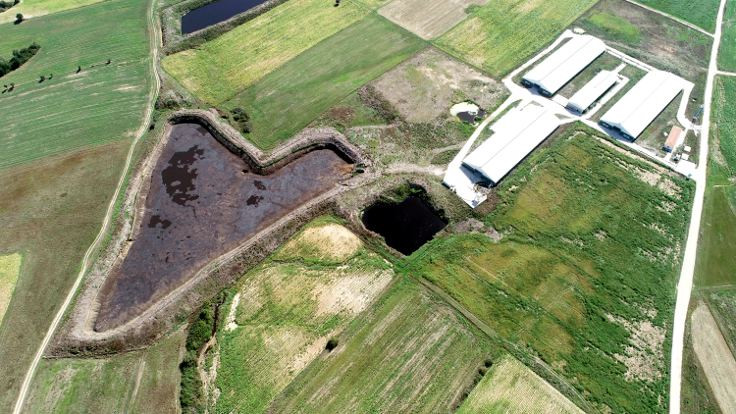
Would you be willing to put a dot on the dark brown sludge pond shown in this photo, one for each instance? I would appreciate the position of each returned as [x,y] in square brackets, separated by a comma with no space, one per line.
[203,202]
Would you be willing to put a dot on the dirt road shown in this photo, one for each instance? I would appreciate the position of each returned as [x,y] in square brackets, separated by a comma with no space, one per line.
[685,286]
[155,39]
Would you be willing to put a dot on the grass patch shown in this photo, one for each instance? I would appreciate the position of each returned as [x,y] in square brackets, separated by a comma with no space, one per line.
[500,35]
[37,8]
[9,270]
[589,260]
[409,353]
[287,312]
[716,261]
[51,213]
[701,13]
[511,387]
[289,98]
[727,54]
[140,382]
[217,70]
[615,27]
[605,61]
[100,104]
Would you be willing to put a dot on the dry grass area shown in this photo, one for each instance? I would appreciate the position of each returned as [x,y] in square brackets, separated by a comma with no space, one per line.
[511,387]
[715,357]
[425,87]
[286,310]
[409,353]
[9,270]
[427,18]
[327,242]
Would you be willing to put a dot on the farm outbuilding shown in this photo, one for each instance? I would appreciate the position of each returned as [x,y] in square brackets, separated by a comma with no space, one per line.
[583,99]
[564,64]
[672,139]
[515,136]
[633,113]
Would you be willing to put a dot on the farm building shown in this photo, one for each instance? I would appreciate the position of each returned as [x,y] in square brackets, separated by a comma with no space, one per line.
[643,103]
[583,99]
[672,139]
[564,64]
[516,135]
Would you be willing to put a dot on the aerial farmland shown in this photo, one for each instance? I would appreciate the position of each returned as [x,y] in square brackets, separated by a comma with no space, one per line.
[367,206]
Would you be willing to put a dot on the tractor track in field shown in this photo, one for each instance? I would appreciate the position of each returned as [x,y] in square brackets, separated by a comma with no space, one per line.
[155,43]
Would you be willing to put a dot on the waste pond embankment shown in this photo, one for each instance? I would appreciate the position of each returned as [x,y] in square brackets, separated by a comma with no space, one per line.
[204,201]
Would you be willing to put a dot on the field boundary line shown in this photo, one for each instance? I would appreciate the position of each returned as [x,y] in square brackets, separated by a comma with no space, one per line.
[154,43]
[687,274]
[671,17]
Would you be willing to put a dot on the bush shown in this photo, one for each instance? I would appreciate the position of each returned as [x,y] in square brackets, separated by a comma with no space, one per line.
[242,120]
[331,344]
[19,58]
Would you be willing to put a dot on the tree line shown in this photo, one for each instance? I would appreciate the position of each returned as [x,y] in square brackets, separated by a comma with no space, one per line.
[19,58]
[5,4]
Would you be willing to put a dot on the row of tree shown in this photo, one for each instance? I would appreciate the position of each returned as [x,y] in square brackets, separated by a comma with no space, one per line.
[19,58]
[5,4]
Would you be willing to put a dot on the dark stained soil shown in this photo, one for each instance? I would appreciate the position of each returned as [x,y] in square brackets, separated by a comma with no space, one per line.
[203,202]
[405,226]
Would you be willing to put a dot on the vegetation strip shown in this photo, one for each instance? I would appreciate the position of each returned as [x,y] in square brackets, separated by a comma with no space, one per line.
[20,57]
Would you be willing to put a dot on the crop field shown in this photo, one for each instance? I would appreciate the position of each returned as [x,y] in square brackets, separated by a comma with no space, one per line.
[654,39]
[727,54]
[410,352]
[292,96]
[36,8]
[715,357]
[501,35]
[72,190]
[701,13]
[219,69]
[287,309]
[586,272]
[138,382]
[428,19]
[69,110]
[718,239]
[511,387]
[9,270]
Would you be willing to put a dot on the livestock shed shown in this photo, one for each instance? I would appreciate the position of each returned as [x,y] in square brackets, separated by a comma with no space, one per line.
[515,136]
[633,113]
[564,64]
[583,99]
[672,139]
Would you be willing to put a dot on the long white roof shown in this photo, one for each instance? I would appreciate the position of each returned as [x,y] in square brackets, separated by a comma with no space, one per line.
[644,102]
[566,62]
[517,134]
[592,90]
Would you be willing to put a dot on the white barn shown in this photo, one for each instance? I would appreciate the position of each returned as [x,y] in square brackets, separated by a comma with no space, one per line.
[564,64]
[516,135]
[633,113]
[583,99]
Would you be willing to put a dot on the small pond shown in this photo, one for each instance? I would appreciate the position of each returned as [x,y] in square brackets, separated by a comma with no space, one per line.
[214,13]
[203,202]
[405,226]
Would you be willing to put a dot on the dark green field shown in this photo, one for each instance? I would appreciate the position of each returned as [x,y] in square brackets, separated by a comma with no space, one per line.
[701,13]
[590,257]
[290,97]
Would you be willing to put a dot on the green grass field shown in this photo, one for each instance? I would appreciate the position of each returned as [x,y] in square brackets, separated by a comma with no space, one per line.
[289,98]
[727,54]
[219,69]
[100,104]
[718,232]
[501,35]
[138,382]
[288,308]
[409,353]
[701,13]
[512,388]
[586,271]
[37,8]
